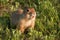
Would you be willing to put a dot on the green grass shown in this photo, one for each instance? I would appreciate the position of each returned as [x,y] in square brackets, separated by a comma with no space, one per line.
[47,25]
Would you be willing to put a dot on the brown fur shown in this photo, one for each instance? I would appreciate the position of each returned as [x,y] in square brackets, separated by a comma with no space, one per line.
[24,18]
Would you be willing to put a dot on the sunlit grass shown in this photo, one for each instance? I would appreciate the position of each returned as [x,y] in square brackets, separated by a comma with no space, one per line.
[47,25]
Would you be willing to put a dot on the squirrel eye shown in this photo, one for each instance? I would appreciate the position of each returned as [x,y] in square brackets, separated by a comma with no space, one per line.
[27,10]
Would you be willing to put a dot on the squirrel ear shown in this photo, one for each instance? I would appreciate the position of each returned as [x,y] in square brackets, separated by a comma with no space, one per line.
[32,10]
[20,11]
